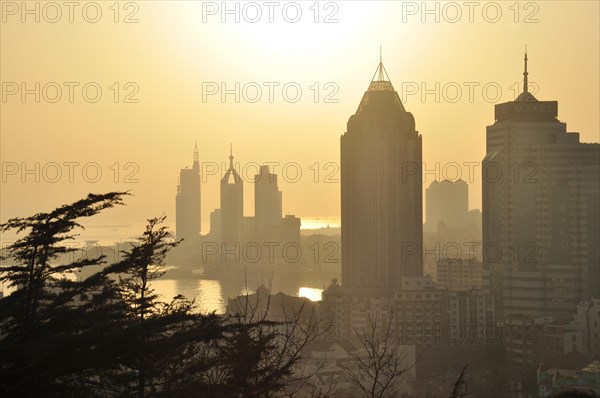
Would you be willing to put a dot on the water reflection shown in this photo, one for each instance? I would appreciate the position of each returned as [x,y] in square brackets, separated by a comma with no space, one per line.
[208,294]
[211,295]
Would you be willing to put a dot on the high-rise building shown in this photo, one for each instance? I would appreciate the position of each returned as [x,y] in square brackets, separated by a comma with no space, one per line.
[447,202]
[541,190]
[232,206]
[267,200]
[381,191]
[187,201]
[459,274]
[215,225]
[235,233]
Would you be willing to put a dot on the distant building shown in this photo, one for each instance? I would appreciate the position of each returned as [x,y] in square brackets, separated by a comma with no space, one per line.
[474,219]
[382,234]
[187,201]
[559,337]
[459,274]
[447,202]
[521,336]
[423,314]
[215,225]
[273,307]
[248,230]
[232,206]
[290,229]
[269,226]
[267,200]
[287,231]
[531,340]
[587,321]
[265,238]
[568,372]
[541,195]
[381,191]
[472,317]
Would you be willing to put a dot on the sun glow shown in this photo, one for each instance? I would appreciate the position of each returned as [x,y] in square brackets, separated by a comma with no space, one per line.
[310,293]
[296,29]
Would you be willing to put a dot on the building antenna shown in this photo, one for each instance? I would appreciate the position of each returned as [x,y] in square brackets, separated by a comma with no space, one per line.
[381,77]
[380,72]
[525,73]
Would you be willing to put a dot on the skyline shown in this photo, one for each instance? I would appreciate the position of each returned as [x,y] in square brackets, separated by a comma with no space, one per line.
[209,199]
[310,130]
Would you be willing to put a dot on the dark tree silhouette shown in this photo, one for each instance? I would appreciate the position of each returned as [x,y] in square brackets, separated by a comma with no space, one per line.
[159,355]
[110,335]
[260,357]
[380,362]
[459,390]
[37,354]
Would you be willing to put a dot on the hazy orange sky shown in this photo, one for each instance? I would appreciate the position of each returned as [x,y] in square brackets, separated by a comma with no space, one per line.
[177,50]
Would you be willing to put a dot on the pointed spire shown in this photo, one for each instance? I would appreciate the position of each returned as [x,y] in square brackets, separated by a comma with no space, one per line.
[380,71]
[196,157]
[380,83]
[380,63]
[525,74]
[231,171]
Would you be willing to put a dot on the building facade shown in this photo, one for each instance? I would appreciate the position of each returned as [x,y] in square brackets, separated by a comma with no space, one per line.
[267,200]
[540,196]
[587,322]
[231,215]
[424,315]
[447,202]
[459,274]
[381,191]
[187,202]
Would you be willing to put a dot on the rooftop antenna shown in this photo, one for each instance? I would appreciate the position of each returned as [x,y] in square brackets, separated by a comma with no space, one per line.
[525,73]
[381,77]
[380,72]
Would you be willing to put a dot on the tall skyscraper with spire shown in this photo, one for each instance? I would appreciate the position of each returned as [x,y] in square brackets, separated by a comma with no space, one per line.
[187,201]
[232,205]
[540,196]
[381,191]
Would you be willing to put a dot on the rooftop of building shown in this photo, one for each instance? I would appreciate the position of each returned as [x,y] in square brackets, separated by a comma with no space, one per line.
[573,360]
[527,108]
[381,97]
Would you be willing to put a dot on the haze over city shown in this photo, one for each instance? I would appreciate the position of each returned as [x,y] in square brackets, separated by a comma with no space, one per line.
[170,52]
[300,199]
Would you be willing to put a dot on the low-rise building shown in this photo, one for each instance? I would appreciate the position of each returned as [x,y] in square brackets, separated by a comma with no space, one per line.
[571,371]
[587,322]
[459,274]
[423,314]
